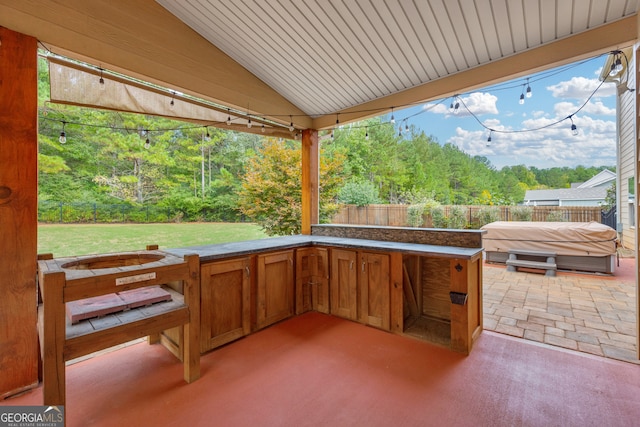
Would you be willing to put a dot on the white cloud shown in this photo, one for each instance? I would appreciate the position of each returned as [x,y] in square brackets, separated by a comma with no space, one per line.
[581,88]
[476,103]
[594,144]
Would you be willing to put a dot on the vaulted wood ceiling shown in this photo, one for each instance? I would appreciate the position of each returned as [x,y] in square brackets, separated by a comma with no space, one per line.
[308,60]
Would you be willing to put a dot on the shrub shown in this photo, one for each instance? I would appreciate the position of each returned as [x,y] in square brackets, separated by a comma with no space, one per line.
[555,216]
[439,218]
[415,215]
[458,217]
[521,213]
[488,215]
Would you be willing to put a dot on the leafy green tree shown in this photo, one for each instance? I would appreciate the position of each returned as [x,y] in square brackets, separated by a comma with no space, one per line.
[271,190]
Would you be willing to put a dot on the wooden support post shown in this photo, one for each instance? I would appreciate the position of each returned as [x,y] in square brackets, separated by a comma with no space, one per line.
[18,211]
[191,352]
[53,336]
[310,180]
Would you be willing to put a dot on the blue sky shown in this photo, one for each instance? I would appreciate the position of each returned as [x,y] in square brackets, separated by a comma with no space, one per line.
[556,94]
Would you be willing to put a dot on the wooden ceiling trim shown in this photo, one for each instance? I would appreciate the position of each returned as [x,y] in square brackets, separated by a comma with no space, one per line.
[611,36]
[140,47]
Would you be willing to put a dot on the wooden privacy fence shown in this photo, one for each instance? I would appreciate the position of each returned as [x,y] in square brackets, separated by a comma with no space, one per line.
[396,215]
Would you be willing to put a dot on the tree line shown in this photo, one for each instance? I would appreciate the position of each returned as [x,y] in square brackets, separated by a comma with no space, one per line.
[213,174]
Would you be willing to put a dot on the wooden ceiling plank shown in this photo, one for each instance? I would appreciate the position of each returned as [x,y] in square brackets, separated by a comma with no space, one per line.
[548,20]
[517,25]
[462,33]
[450,27]
[432,62]
[438,41]
[404,38]
[564,25]
[489,30]
[532,23]
[475,30]
[503,29]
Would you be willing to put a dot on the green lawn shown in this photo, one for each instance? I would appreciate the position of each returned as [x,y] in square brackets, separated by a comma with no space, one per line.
[80,239]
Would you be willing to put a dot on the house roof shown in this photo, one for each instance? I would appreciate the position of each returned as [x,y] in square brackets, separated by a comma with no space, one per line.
[603,178]
[594,193]
[314,62]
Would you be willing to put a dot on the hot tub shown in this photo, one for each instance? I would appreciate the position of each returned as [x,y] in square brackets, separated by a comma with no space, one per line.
[580,246]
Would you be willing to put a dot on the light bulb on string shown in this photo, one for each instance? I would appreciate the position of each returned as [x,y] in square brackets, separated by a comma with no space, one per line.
[147,142]
[262,129]
[406,127]
[451,107]
[618,64]
[456,108]
[291,128]
[101,81]
[366,134]
[489,138]
[249,123]
[521,99]
[228,117]
[393,119]
[574,128]
[529,93]
[63,136]
[207,137]
[173,94]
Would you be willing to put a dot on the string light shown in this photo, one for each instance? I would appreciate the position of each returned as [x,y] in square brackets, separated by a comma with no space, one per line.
[173,95]
[454,106]
[63,135]
[207,137]
[147,142]
[406,127]
[489,139]
[249,123]
[262,129]
[521,98]
[366,134]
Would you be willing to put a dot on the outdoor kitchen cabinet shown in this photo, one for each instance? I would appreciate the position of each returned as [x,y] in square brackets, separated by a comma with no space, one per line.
[275,287]
[226,302]
[360,287]
[312,280]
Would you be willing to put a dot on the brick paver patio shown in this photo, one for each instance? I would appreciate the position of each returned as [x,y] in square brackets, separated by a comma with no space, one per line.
[585,312]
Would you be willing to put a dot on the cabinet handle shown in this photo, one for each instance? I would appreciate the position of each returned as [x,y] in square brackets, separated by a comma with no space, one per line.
[363,264]
[248,271]
[351,266]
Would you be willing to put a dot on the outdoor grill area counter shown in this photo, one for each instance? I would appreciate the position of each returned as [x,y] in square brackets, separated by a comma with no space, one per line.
[424,283]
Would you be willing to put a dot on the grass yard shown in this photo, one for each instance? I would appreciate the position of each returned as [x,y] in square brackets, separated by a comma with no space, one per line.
[82,239]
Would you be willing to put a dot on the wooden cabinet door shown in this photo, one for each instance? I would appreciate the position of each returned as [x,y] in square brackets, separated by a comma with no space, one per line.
[312,280]
[374,287]
[343,284]
[225,302]
[275,288]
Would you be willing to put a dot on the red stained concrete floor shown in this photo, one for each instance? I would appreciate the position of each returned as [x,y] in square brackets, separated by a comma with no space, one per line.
[319,370]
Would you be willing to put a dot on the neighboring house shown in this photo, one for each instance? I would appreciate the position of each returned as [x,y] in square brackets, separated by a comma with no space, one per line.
[590,193]
[626,149]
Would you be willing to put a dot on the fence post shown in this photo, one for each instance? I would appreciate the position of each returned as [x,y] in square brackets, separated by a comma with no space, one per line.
[60,212]
[95,213]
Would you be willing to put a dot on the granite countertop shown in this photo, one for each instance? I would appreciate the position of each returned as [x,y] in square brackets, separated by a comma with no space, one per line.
[232,249]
